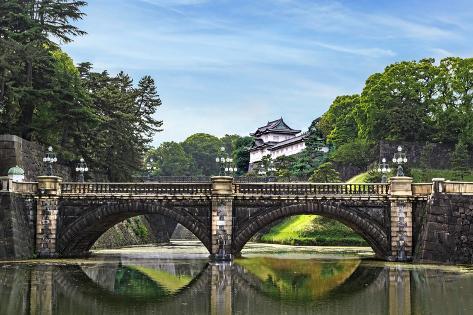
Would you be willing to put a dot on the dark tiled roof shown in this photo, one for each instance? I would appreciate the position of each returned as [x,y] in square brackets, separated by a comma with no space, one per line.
[276,126]
[260,145]
[289,142]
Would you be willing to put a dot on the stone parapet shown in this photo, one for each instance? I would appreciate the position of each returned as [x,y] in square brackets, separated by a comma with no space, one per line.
[401,186]
[49,185]
[222,185]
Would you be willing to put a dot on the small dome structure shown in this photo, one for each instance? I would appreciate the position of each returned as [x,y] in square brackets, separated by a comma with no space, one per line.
[16,174]
[16,171]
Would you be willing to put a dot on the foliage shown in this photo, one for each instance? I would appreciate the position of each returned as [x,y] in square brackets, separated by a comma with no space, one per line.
[418,101]
[356,153]
[241,154]
[196,155]
[338,124]
[27,33]
[426,175]
[325,173]
[116,144]
[460,160]
[170,159]
[427,156]
[44,97]
[203,149]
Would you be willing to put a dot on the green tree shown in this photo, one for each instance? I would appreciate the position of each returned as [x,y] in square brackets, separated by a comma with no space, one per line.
[461,160]
[325,173]
[241,154]
[203,149]
[338,124]
[357,153]
[394,105]
[27,32]
[170,159]
[427,156]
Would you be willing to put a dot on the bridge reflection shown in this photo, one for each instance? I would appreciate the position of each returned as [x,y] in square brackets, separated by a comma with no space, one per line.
[246,286]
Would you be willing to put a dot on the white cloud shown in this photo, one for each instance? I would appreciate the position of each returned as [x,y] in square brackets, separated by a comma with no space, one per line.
[367,52]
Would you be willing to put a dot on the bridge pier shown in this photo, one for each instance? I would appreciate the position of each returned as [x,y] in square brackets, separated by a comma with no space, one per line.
[401,219]
[222,218]
[49,189]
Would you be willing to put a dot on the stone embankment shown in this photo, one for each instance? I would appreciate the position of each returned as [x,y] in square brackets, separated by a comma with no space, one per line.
[447,230]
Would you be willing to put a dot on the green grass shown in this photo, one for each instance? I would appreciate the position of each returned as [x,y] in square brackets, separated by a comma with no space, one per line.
[315,230]
[360,178]
[312,230]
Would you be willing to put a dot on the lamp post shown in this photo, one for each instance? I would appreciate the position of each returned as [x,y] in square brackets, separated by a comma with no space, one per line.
[384,169]
[150,168]
[50,158]
[400,158]
[81,168]
[262,170]
[271,170]
[225,163]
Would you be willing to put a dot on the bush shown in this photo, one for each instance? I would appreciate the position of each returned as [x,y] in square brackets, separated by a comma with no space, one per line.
[325,173]
[357,153]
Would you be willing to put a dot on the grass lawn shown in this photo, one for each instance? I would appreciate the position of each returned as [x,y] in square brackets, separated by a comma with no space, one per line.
[312,230]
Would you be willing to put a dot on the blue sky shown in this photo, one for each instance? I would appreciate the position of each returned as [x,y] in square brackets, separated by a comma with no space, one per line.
[229,66]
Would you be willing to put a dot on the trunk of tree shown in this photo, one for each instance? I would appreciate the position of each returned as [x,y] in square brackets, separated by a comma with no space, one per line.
[29,73]
[27,107]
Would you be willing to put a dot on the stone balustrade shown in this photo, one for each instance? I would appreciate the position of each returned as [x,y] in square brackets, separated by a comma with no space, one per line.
[312,189]
[136,188]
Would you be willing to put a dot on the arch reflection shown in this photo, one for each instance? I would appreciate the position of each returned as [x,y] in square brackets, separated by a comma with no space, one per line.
[141,279]
[247,286]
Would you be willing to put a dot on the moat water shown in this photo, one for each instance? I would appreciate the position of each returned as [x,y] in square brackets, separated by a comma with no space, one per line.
[268,279]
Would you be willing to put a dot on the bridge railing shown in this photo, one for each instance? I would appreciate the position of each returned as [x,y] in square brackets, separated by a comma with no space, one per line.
[24,187]
[311,189]
[465,188]
[137,188]
[421,189]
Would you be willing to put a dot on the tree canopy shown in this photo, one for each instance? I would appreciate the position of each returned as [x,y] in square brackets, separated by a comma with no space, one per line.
[45,97]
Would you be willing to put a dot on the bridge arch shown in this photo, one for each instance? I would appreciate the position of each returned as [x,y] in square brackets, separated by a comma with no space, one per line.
[362,221]
[77,237]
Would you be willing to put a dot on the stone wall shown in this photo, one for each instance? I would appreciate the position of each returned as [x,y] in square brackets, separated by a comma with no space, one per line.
[17,238]
[446,234]
[440,160]
[29,156]
[131,232]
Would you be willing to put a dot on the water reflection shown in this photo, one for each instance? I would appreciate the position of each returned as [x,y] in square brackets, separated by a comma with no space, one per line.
[259,285]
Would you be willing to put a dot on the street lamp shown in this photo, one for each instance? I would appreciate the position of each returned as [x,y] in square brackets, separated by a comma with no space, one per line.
[384,169]
[81,168]
[150,168]
[399,158]
[271,170]
[262,170]
[225,163]
[50,158]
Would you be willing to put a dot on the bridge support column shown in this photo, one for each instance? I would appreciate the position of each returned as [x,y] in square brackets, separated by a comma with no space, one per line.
[401,219]
[49,189]
[222,218]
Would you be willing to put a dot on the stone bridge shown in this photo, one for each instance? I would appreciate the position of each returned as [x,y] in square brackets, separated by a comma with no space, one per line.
[65,219]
